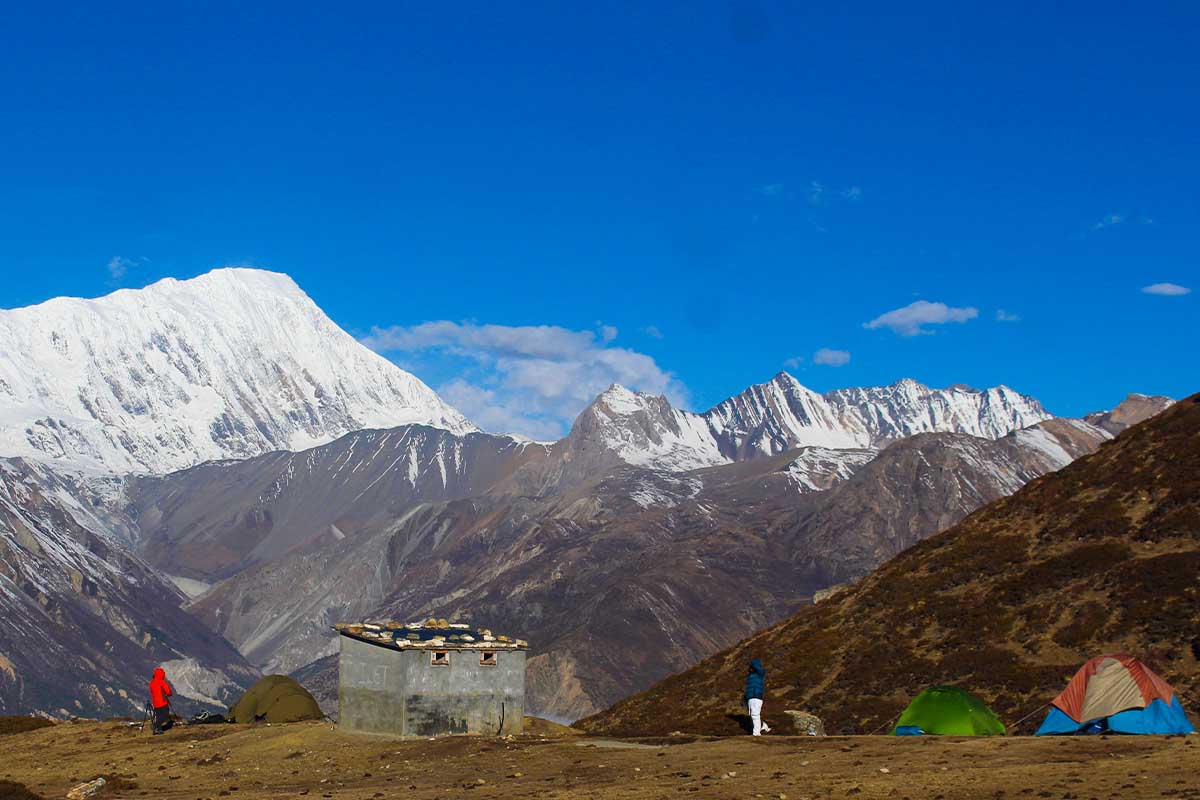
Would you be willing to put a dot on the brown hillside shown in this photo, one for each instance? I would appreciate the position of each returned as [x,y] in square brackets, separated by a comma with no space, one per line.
[1100,556]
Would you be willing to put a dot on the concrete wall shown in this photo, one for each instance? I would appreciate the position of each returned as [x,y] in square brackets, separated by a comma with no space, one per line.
[381,690]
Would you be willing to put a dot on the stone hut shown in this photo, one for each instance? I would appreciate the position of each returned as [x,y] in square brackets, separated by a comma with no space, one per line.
[429,679]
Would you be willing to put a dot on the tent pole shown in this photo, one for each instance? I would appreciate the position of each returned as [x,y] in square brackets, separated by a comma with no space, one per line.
[884,725]
[1017,724]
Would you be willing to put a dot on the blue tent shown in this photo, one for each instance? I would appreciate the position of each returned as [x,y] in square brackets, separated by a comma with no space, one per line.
[1117,694]
[1157,717]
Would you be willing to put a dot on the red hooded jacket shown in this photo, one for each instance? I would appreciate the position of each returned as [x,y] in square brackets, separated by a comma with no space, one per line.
[160,690]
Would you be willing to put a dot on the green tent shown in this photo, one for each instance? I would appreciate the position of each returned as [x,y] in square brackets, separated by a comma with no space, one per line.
[949,711]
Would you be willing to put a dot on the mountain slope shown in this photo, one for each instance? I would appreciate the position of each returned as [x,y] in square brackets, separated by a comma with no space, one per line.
[231,364]
[82,622]
[1100,556]
[574,572]
[215,519]
[916,487]
[1130,411]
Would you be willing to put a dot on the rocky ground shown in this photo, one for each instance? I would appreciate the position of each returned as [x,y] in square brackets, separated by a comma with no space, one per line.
[316,760]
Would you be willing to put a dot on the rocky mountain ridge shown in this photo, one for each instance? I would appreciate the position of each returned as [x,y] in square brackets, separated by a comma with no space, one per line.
[1130,411]
[623,426]
[83,622]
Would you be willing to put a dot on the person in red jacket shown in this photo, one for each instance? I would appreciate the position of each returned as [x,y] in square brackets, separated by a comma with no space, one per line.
[160,694]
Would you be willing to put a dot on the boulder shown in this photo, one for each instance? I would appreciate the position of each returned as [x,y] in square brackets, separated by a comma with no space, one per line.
[806,724]
[86,790]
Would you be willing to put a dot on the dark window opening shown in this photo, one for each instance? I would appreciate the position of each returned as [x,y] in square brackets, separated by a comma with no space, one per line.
[487,658]
[439,658]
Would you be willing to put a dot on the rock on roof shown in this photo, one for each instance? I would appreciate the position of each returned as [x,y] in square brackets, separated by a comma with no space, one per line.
[433,634]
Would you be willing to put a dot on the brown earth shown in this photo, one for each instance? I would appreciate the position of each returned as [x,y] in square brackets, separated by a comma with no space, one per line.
[536,726]
[16,791]
[317,761]
[1099,557]
[9,725]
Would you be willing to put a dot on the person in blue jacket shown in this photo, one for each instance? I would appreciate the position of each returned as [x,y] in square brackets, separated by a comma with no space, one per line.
[755,679]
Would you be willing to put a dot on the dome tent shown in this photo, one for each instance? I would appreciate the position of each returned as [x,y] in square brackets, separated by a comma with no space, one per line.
[1116,693]
[275,698]
[948,711]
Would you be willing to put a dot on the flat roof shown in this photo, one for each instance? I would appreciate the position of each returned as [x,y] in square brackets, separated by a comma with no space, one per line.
[429,635]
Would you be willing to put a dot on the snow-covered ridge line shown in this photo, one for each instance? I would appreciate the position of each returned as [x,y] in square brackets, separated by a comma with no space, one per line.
[780,415]
[232,364]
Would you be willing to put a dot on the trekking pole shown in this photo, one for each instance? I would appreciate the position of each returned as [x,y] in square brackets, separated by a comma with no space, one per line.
[145,716]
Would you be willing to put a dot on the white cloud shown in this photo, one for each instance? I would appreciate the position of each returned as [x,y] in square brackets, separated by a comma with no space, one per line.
[485,409]
[831,358]
[815,192]
[1005,316]
[533,380]
[652,331]
[794,361]
[532,341]
[912,319]
[1113,220]
[1166,289]
[117,266]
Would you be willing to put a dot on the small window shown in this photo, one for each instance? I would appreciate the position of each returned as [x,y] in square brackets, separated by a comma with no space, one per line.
[439,658]
[487,658]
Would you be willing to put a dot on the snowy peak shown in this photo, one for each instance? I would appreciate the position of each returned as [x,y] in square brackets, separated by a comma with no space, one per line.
[782,414]
[618,401]
[906,408]
[231,364]
[623,426]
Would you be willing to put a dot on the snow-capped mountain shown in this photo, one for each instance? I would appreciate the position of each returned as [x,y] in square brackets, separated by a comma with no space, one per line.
[231,364]
[642,430]
[782,414]
[622,426]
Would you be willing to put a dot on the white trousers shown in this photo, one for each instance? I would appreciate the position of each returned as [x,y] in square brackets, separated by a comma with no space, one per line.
[755,705]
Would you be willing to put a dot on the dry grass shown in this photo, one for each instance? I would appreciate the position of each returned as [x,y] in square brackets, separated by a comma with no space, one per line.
[315,760]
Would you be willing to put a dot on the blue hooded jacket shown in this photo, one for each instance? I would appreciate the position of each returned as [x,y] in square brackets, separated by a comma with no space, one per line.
[754,680]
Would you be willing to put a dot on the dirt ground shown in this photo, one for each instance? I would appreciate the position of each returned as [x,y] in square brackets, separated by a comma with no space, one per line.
[316,760]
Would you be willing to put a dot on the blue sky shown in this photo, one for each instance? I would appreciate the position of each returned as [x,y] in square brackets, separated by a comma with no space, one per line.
[688,197]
